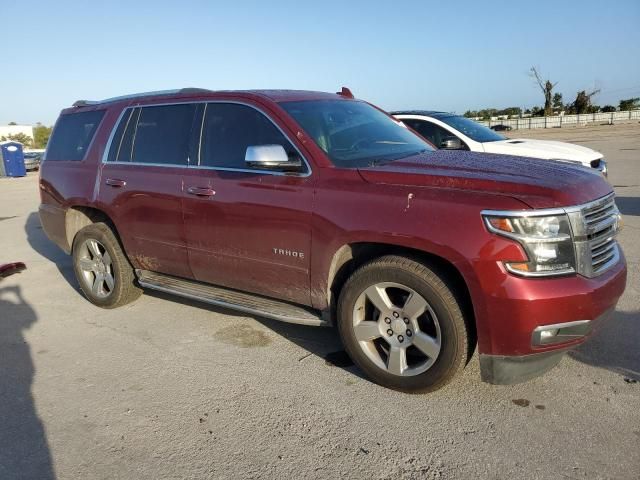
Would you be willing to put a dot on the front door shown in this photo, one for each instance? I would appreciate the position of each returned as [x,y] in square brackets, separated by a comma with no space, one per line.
[141,185]
[248,230]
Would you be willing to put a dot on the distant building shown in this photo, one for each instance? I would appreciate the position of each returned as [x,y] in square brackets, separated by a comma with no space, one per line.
[16,129]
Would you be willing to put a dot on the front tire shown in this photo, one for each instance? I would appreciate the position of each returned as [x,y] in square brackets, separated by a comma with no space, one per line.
[103,271]
[401,324]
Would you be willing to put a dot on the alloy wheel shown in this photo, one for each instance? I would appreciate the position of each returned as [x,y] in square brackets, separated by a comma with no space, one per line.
[96,268]
[397,329]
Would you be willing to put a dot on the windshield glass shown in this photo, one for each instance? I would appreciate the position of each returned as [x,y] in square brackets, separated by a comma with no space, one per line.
[353,133]
[473,130]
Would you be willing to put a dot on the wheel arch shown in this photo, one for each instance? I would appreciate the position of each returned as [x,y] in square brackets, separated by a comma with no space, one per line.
[79,216]
[351,256]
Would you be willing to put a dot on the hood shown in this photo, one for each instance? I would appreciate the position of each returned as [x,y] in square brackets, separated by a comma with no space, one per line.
[546,149]
[538,183]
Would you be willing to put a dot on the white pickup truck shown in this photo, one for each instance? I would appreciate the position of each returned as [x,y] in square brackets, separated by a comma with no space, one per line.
[454,132]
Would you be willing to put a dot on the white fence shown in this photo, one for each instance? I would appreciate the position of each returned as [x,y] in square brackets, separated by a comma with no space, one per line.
[566,120]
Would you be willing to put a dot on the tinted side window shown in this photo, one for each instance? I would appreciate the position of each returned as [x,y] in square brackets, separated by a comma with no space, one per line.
[160,135]
[432,132]
[230,128]
[72,135]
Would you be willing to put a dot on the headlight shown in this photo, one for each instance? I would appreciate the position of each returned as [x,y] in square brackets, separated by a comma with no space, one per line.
[546,240]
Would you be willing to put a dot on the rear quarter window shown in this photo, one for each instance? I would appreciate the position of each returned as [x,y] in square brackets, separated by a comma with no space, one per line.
[72,135]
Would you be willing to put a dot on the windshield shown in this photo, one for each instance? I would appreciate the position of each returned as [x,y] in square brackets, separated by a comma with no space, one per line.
[353,133]
[473,130]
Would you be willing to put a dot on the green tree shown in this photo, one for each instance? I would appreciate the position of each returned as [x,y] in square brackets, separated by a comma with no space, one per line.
[25,140]
[608,108]
[41,136]
[557,102]
[537,112]
[630,104]
[12,123]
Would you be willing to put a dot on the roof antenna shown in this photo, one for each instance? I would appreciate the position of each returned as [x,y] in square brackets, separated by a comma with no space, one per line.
[345,92]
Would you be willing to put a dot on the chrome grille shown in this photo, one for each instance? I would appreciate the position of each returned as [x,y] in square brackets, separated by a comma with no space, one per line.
[595,226]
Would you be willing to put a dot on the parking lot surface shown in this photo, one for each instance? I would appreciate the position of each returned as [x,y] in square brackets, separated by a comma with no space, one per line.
[169,388]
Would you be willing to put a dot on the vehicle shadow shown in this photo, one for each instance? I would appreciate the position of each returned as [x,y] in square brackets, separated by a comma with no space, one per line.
[628,205]
[614,346]
[322,342]
[24,451]
[45,247]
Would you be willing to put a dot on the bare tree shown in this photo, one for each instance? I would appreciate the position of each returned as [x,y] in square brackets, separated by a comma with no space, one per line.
[547,89]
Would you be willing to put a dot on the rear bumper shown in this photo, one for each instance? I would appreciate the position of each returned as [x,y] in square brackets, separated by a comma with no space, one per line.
[31,165]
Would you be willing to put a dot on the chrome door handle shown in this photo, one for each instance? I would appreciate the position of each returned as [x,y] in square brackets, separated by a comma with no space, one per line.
[115,182]
[201,192]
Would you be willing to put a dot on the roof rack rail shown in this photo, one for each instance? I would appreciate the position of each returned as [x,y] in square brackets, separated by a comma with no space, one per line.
[186,91]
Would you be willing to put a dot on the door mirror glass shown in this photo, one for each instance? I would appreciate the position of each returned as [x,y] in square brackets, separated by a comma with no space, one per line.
[270,157]
[451,143]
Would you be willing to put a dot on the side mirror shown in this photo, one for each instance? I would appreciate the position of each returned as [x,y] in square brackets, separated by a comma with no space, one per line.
[451,143]
[270,156]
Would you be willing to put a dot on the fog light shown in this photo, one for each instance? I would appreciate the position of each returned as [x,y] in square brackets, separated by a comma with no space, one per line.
[544,334]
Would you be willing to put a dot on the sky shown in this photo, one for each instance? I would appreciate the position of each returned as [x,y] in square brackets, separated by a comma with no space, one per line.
[444,55]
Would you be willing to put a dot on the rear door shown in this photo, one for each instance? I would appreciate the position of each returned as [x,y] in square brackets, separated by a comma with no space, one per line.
[247,229]
[141,185]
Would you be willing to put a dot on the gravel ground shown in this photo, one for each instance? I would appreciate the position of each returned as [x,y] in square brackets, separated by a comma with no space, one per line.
[167,388]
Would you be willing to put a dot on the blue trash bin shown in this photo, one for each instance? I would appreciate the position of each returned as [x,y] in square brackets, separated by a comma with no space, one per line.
[11,159]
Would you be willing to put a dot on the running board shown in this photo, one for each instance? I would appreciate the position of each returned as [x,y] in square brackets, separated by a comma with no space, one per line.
[232,299]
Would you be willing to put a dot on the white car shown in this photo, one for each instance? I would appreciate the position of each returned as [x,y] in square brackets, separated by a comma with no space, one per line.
[454,132]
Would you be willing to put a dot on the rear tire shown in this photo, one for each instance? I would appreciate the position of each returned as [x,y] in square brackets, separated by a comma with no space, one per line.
[401,324]
[103,271]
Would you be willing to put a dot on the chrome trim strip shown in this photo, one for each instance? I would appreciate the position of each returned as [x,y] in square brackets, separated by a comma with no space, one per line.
[107,147]
[140,164]
[594,203]
[225,169]
[126,126]
[250,170]
[204,114]
[601,225]
[105,153]
[523,213]
[572,331]
[550,273]
[606,266]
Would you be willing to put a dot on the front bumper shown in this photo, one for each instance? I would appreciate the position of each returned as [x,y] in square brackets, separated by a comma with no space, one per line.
[509,308]
[504,370]
[511,369]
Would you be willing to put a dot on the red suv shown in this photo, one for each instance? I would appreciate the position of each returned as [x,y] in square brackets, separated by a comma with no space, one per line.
[320,209]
